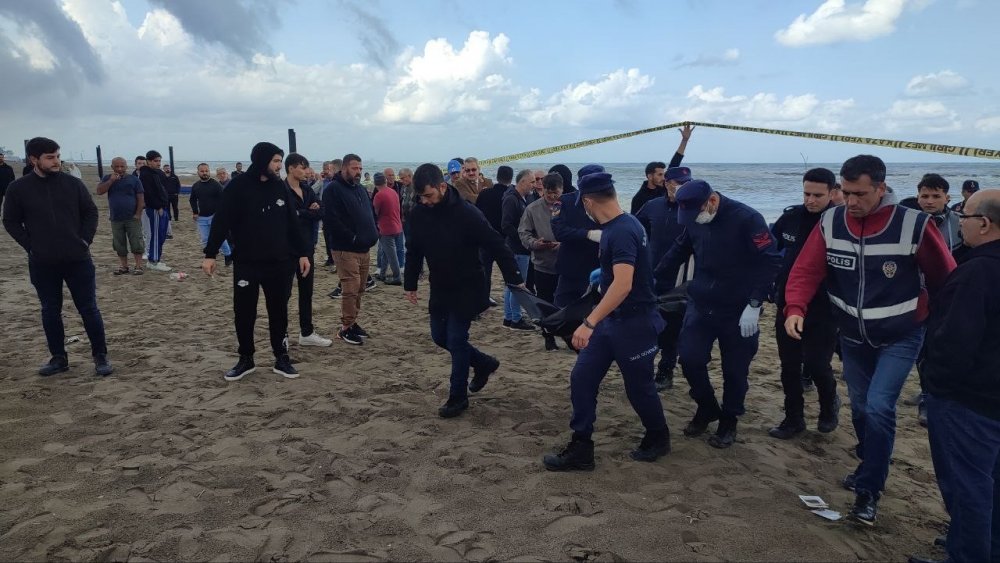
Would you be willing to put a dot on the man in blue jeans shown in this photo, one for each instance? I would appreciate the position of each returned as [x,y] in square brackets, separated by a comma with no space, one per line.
[53,217]
[873,255]
[447,232]
[205,200]
[511,209]
[961,372]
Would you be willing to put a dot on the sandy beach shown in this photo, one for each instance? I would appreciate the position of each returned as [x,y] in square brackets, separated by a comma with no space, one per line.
[350,462]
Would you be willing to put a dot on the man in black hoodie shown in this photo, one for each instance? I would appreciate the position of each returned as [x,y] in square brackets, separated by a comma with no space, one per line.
[349,226]
[448,232]
[154,189]
[259,216]
[53,217]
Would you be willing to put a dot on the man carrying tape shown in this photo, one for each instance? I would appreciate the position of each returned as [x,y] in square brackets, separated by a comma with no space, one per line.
[621,329]
[735,263]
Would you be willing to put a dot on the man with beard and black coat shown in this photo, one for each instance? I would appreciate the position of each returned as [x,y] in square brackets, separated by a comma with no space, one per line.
[448,232]
[654,187]
[259,216]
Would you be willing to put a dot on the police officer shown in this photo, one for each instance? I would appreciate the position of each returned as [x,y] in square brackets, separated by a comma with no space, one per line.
[809,358]
[735,263]
[578,237]
[622,328]
[659,217]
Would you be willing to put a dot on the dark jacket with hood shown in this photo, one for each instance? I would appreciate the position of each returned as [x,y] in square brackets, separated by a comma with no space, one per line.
[53,218]
[963,334]
[172,184]
[348,217]
[490,202]
[307,217]
[512,209]
[567,177]
[645,194]
[154,187]
[258,216]
[449,235]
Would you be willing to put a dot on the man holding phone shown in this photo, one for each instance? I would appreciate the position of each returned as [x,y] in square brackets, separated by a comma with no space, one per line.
[536,235]
[125,203]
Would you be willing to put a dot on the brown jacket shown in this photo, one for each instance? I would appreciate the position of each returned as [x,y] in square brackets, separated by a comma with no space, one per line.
[468,189]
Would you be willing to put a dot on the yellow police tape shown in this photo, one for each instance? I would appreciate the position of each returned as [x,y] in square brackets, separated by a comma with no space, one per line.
[926,147]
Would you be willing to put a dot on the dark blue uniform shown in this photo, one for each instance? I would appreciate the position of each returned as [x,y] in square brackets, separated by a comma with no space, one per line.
[659,217]
[735,262]
[627,336]
[577,255]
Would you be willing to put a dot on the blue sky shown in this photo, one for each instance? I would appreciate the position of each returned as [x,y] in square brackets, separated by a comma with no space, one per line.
[413,81]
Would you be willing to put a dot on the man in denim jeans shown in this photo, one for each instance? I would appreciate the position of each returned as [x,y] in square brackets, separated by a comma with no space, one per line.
[206,197]
[873,255]
[53,217]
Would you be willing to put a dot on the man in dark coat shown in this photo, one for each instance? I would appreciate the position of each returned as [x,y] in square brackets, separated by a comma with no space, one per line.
[447,232]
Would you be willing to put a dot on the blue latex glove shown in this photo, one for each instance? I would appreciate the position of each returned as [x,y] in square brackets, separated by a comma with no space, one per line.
[595,277]
[748,321]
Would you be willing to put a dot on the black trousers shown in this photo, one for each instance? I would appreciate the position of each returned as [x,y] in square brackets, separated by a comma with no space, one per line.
[545,285]
[667,340]
[305,297]
[275,278]
[174,200]
[809,357]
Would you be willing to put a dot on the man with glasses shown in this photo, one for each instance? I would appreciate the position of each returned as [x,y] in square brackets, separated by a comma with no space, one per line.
[471,182]
[879,260]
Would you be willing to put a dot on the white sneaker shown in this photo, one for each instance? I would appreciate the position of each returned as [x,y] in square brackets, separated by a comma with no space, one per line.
[314,340]
[158,267]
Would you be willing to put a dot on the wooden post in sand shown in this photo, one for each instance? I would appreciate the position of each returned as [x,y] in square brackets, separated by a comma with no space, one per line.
[100,163]
[173,169]
[291,141]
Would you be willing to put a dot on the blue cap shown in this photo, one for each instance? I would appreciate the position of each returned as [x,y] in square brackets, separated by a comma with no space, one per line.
[589,169]
[454,166]
[679,174]
[690,197]
[596,182]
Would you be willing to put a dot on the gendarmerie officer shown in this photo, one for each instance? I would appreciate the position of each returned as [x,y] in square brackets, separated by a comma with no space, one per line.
[621,329]
[809,358]
[578,237]
[735,262]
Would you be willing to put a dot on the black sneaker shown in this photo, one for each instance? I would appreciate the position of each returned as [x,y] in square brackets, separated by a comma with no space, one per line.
[359,331]
[865,508]
[664,379]
[394,282]
[788,429]
[102,366]
[380,277]
[850,480]
[229,260]
[350,337]
[482,374]
[652,447]
[550,343]
[808,385]
[725,434]
[283,367]
[702,418]
[507,323]
[337,293]
[578,455]
[521,325]
[829,418]
[453,407]
[57,364]
[370,284]
[243,367]
[493,302]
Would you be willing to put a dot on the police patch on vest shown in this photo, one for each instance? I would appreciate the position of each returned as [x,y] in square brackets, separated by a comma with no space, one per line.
[841,261]
[788,236]
[889,269]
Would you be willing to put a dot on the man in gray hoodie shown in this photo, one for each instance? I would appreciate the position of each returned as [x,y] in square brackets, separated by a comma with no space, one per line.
[536,235]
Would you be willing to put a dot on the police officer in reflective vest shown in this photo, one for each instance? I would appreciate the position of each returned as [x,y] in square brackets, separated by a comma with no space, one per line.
[872,254]
[735,263]
[807,359]
[621,329]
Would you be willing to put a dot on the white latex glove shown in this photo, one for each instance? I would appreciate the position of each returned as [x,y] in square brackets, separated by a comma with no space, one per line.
[594,235]
[748,321]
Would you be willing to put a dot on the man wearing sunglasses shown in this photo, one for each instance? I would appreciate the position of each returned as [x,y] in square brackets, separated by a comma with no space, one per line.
[470,183]
[873,255]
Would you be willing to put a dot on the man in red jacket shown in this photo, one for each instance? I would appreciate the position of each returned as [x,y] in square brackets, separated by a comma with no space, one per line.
[872,255]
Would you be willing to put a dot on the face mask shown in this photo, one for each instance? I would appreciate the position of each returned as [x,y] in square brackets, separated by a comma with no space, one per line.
[704,218]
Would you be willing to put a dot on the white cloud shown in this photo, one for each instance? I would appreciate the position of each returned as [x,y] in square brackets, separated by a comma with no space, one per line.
[728,57]
[163,28]
[443,82]
[935,84]
[26,45]
[586,102]
[763,108]
[921,115]
[988,124]
[835,21]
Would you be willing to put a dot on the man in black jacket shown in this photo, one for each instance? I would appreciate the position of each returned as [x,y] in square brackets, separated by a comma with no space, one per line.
[448,232]
[962,374]
[155,192]
[53,217]
[809,358]
[260,219]
[6,177]
[173,187]
[512,208]
[654,186]
[489,202]
[349,227]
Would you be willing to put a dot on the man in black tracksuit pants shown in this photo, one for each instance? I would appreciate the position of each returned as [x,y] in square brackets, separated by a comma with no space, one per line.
[258,214]
[810,357]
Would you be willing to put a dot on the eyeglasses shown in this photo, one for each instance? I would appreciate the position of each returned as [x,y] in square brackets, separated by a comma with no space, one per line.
[972,216]
[471,170]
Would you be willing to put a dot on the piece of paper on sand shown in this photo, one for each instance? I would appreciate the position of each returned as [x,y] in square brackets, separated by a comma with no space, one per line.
[813,501]
[827,513]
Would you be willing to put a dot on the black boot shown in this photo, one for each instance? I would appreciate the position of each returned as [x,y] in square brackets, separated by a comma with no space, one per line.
[704,416]
[57,364]
[653,446]
[664,378]
[481,374]
[550,342]
[850,479]
[244,366]
[578,455]
[865,508]
[725,435]
[829,417]
[788,429]
[102,366]
[454,407]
